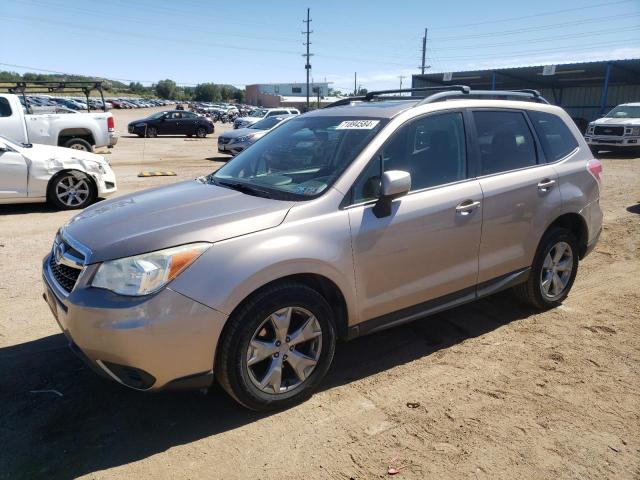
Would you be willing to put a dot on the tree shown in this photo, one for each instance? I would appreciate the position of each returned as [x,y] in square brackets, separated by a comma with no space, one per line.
[166,89]
[137,87]
[206,92]
[362,91]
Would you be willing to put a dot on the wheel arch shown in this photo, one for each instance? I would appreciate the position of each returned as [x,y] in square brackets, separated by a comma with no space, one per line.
[67,134]
[321,284]
[576,224]
[92,180]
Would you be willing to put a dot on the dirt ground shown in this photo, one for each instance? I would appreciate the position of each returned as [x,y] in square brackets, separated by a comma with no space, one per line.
[489,390]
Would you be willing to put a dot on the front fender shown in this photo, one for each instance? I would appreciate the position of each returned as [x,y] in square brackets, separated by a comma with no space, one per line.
[233,269]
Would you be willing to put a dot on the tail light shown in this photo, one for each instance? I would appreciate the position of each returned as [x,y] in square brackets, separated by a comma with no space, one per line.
[111,125]
[595,169]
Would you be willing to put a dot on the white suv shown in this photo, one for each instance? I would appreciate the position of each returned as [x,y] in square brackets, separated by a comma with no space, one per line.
[260,113]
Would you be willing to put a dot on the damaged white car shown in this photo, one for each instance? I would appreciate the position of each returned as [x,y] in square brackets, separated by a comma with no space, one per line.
[67,178]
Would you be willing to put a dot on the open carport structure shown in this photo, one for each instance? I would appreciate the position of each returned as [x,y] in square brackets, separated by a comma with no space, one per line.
[586,90]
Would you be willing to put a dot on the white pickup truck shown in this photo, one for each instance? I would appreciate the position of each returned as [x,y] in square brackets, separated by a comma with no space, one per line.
[81,131]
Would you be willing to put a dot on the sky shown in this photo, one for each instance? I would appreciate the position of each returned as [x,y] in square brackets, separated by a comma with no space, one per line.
[253,41]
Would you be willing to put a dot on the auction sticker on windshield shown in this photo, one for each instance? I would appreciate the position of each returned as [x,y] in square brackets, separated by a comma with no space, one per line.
[358,125]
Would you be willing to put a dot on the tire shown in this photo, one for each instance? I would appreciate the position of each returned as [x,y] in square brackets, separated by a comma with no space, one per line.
[201,132]
[152,132]
[532,292]
[241,373]
[84,191]
[78,144]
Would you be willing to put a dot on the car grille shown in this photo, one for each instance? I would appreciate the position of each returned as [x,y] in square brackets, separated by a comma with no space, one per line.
[223,140]
[64,275]
[604,130]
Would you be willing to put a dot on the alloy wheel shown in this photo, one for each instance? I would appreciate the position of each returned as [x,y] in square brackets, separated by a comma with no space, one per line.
[72,191]
[284,350]
[556,271]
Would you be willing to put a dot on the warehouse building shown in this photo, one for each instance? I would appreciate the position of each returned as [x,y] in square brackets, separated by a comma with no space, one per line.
[586,90]
[284,94]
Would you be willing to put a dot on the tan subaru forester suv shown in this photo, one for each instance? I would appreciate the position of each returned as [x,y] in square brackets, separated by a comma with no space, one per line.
[370,213]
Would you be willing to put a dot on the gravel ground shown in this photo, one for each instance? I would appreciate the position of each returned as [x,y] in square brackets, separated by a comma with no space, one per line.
[489,390]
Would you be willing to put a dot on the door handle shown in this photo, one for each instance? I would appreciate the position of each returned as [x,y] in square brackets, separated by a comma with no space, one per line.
[466,207]
[546,184]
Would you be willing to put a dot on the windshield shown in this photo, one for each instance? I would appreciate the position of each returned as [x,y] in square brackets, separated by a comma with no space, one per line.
[258,112]
[267,123]
[157,115]
[301,158]
[624,111]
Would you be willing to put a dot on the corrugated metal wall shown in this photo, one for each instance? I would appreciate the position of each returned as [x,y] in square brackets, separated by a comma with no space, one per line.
[584,102]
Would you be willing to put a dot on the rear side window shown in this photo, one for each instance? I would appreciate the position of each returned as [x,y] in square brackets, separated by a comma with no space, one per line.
[5,108]
[554,135]
[505,141]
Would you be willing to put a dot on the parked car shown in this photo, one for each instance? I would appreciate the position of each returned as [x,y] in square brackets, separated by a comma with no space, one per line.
[341,222]
[235,141]
[617,131]
[81,131]
[172,122]
[260,113]
[65,178]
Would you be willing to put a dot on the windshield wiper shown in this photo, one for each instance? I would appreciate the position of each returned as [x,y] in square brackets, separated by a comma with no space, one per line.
[243,187]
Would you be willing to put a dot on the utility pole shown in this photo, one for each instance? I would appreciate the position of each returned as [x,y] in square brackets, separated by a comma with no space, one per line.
[424,50]
[307,65]
[401,77]
[355,84]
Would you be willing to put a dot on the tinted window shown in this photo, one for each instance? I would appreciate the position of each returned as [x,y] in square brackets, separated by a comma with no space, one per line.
[554,135]
[189,115]
[505,141]
[5,108]
[431,149]
[296,90]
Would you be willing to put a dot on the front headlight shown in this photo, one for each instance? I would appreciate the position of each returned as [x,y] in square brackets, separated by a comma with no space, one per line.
[635,130]
[244,138]
[147,273]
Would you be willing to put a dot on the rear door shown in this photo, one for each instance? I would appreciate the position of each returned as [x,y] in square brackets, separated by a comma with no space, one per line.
[428,246]
[520,191]
[13,173]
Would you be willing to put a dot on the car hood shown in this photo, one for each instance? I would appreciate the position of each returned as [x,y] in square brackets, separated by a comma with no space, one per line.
[249,119]
[39,152]
[185,212]
[616,121]
[240,132]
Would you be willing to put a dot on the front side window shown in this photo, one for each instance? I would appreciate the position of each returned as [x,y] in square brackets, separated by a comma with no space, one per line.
[301,158]
[554,135]
[505,141]
[432,149]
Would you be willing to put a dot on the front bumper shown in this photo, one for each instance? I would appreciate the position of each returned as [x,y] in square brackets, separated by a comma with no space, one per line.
[611,141]
[146,343]
[233,148]
[106,183]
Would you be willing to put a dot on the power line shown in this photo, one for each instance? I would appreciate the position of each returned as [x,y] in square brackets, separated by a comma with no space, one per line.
[543,14]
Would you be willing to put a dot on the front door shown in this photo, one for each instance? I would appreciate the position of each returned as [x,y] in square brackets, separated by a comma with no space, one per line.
[13,174]
[427,248]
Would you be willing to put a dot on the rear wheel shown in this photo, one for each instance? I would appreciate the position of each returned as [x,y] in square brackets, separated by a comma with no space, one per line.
[78,144]
[277,348]
[71,190]
[553,271]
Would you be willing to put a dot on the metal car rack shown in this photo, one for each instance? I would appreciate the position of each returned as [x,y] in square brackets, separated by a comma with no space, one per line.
[25,88]
[443,93]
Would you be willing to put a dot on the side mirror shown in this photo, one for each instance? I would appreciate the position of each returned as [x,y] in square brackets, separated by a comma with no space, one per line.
[394,184]
[3,148]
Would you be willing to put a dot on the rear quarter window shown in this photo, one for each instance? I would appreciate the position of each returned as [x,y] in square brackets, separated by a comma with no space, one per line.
[5,108]
[554,135]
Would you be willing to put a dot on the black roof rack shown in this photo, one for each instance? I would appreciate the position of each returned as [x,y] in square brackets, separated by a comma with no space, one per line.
[25,88]
[443,93]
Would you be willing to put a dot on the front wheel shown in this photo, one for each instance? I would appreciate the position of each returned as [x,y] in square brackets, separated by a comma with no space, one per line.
[277,348]
[201,132]
[553,271]
[71,190]
[152,132]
